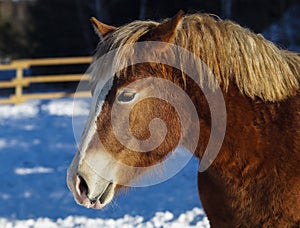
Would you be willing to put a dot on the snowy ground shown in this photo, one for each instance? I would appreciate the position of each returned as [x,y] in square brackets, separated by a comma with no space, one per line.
[161,219]
[36,146]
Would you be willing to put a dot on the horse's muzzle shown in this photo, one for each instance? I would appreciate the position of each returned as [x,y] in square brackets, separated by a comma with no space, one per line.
[84,197]
[81,195]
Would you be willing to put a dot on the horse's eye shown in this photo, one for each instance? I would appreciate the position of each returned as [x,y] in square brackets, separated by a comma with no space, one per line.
[126,96]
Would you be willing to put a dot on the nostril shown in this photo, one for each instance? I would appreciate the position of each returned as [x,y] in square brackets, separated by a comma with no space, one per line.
[82,187]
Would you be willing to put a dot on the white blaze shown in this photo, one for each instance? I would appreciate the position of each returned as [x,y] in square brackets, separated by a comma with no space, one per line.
[101,91]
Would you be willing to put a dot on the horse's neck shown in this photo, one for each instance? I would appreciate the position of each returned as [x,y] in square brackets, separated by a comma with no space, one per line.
[251,128]
[257,167]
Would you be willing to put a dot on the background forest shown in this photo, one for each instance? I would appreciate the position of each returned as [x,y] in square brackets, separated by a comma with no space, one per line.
[51,28]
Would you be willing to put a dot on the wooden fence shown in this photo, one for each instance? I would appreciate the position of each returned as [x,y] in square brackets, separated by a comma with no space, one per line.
[20,81]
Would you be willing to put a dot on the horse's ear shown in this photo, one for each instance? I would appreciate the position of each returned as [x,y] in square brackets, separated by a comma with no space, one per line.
[166,31]
[101,28]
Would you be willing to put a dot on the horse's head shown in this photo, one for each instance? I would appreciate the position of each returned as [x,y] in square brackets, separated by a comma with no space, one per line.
[130,127]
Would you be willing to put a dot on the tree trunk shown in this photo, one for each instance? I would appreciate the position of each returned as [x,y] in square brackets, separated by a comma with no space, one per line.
[84,26]
[226,8]
[143,6]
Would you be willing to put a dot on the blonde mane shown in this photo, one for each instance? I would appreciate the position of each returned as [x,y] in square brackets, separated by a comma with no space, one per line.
[234,54]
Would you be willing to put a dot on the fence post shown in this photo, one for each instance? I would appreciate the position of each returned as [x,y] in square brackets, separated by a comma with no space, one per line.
[19,86]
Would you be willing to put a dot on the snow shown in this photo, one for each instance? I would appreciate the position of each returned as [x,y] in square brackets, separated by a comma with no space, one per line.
[37,145]
[65,108]
[161,219]
[35,170]
[2,143]
[28,110]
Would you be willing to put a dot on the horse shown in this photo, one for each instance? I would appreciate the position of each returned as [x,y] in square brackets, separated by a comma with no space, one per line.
[254,179]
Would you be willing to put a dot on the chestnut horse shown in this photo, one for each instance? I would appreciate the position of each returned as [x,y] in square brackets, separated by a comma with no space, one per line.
[254,181]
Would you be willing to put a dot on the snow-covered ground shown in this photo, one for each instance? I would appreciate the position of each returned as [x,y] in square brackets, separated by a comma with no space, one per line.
[36,147]
[160,219]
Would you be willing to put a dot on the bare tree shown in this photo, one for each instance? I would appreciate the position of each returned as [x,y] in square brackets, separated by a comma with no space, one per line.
[99,10]
[143,6]
[226,8]
[84,24]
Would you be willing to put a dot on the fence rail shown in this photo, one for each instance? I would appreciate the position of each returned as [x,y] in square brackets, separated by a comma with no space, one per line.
[19,81]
